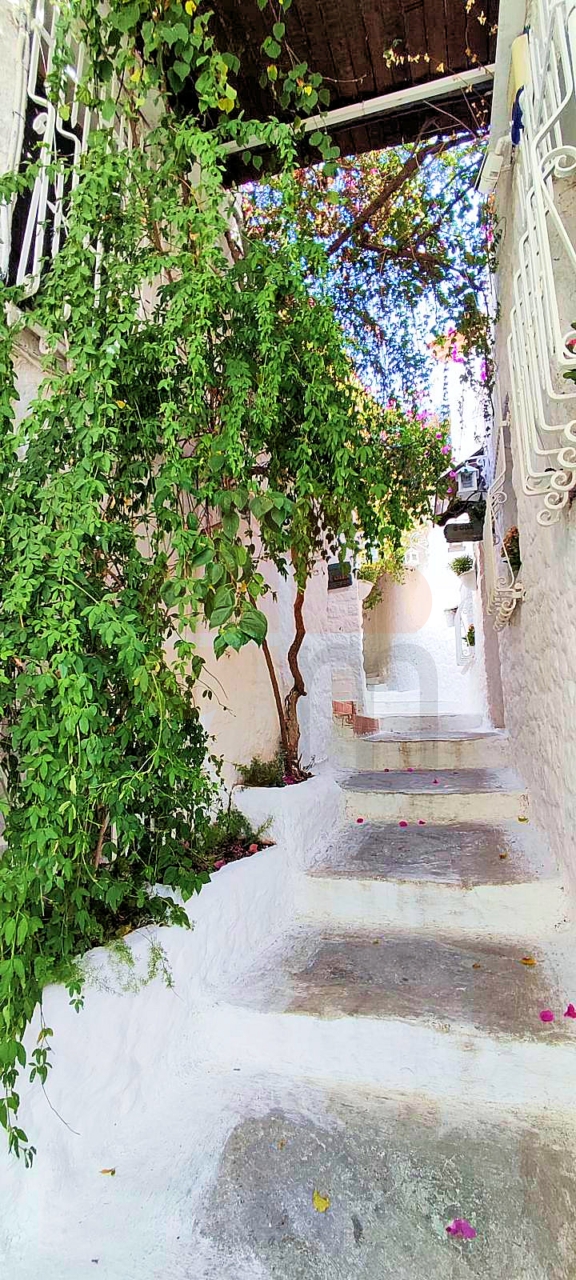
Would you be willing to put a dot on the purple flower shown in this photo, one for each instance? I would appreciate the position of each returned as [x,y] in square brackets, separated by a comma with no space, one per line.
[462,1229]
[446,449]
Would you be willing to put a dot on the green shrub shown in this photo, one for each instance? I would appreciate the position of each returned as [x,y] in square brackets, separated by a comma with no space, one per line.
[228,837]
[264,773]
[462,564]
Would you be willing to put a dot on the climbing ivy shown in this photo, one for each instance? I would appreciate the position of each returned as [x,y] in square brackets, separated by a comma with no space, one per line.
[197,385]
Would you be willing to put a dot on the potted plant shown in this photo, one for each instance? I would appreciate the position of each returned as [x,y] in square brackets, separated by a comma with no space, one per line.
[511,547]
[471,636]
[463,567]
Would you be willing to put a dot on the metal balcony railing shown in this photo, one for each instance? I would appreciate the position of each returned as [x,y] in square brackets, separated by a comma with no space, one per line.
[33,225]
[542,339]
[503,587]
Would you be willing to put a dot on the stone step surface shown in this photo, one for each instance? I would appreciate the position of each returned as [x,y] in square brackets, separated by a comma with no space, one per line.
[330,1185]
[442,795]
[468,878]
[438,724]
[449,983]
[464,854]
[423,750]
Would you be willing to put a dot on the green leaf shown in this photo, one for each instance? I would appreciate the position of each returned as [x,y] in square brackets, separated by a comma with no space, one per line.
[253,623]
[279,30]
[271,48]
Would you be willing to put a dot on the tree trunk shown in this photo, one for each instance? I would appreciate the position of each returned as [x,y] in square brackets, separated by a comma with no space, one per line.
[277,698]
[298,689]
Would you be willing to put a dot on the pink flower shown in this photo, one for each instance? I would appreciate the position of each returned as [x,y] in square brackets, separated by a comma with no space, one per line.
[438,435]
[446,449]
[359,819]
[421,822]
[570,1012]
[288,780]
[453,474]
[220,863]
[546,1015]
[402,824]
[252,848]
[409,769]
[462,1229]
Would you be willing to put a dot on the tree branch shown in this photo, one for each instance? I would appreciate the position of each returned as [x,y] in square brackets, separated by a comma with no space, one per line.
[389,189]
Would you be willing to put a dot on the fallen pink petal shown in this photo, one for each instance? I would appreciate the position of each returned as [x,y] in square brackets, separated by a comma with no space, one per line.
[402,824]
[359,819]
[570,1012]
[409,770]
[462,1229]
[421,822]
[546,1015]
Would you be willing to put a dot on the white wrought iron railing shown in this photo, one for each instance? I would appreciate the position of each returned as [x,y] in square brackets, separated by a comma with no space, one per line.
[60,134]
[542,340]
[465,652]
[503,587]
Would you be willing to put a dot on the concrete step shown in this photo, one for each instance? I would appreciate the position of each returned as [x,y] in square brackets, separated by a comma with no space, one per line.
[456,984]
[437,722]
[393,1175]
[422,749]
[393,705]
[466,878]
[442,795]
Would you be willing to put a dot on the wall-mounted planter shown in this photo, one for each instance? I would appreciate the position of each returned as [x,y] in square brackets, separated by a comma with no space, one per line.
[469,579]
[450,616]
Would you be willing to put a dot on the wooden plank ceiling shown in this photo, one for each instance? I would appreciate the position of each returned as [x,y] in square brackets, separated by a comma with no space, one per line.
[348,41]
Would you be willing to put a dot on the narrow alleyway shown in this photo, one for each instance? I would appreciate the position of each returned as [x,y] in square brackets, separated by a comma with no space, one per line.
[417,1085]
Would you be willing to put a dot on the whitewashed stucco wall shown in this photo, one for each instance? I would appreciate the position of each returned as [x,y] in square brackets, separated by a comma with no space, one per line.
[537,648]
[242,714]
[410,648]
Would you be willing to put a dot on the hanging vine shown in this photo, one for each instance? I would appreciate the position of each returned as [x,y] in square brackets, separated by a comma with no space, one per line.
[197,384]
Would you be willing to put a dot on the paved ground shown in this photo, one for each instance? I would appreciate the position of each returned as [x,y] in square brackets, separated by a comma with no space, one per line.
[344,1183]
[466,854]
[429,781]
[458,984]
[393,1176]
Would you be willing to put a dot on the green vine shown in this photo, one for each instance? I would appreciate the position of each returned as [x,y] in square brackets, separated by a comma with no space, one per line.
[197,416]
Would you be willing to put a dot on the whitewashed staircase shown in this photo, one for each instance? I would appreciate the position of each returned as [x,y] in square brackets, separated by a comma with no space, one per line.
[416,1081]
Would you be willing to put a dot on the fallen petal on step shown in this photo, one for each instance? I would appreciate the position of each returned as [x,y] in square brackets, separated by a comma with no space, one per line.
[421,822]
[321,1203]
[402,824]
[409,770]
[359,819]
[570,1012]
[462,1229]
[435,782]
[546,1015]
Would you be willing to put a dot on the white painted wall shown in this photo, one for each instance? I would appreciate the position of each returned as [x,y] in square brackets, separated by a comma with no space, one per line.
[410,648]
[536,650]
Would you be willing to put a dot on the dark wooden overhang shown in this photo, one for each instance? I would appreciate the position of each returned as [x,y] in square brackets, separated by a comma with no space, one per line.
[349,43]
